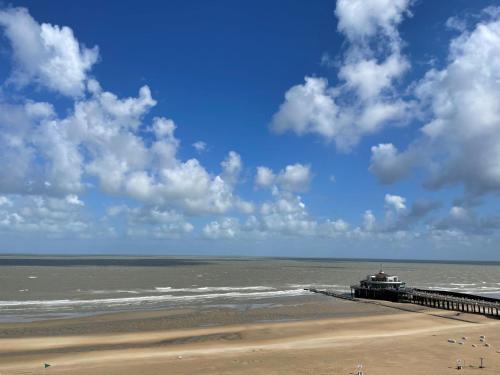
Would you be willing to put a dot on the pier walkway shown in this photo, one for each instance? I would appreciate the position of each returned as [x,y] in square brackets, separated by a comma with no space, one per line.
[455,301]
[440,299]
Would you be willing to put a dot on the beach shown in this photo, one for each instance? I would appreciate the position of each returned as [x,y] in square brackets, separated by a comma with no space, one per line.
[317,335]
[167,315]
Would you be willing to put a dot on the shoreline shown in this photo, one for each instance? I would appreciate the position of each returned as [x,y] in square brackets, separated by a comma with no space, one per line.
[307,307]
[382,336]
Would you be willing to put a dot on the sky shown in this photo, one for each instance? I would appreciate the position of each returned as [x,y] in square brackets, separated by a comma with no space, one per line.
[349,128]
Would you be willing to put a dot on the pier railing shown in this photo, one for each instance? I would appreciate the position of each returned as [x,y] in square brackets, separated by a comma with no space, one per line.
[441,299]
[455,301]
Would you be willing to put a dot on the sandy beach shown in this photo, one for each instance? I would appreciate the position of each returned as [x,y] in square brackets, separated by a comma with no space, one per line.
[328,337]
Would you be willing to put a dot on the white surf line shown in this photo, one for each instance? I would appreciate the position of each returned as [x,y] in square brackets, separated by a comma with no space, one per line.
[152,299]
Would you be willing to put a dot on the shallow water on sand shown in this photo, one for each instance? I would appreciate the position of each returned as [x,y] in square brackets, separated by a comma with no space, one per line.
[52,287]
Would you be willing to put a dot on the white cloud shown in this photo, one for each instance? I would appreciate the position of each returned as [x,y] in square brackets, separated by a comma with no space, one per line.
[16,154]
[334,228]
[186,185]
[231,167]
[389,165]
[244,206]
[200,146]
[463,221]
[4,201]
[62,161]
[362,19]
[395,213]
[47,54]
[164,149]
[367,76]
[287,215]
[460,142]
[396,202]
[455,23]
[46,154]
[101,138]
[369,221]
[73,199]
[308,108]
[46,217]
[294,177]
[151,222]
[265,177]
[225,228]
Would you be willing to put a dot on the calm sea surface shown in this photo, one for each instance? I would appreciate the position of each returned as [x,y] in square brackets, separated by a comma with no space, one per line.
[53,287]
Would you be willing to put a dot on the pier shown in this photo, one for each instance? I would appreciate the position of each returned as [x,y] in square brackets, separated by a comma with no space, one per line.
[331,293]
[455,301]
[382,286]
[439,299]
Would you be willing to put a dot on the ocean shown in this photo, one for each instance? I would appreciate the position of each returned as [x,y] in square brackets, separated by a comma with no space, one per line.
[38,288]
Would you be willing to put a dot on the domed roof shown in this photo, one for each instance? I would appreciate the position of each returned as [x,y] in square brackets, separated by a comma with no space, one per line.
[381,275]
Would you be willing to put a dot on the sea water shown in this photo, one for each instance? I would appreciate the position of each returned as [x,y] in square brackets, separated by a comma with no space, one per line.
[34,288]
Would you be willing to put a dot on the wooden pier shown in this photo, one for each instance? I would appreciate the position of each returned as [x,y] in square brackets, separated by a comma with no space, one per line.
[440,299]
[332,293]
[455,301]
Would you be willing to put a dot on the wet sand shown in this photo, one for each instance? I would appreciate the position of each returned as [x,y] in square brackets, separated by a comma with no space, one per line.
[316,336]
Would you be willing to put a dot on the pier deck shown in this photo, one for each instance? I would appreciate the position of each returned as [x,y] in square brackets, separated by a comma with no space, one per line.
[440,299]
[455,301]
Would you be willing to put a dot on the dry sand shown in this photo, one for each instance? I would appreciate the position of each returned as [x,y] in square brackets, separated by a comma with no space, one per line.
[386,338]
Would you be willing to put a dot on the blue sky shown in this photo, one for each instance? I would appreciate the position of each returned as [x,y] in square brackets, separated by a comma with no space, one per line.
[340,129]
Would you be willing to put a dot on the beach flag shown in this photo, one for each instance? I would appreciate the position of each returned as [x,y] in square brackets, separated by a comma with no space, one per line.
[45,365]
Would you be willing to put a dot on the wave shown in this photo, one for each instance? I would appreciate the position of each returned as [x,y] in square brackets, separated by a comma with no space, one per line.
[110,291]
[327,286]
[151,299]
[169,289]
[476,290]
[212,289]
